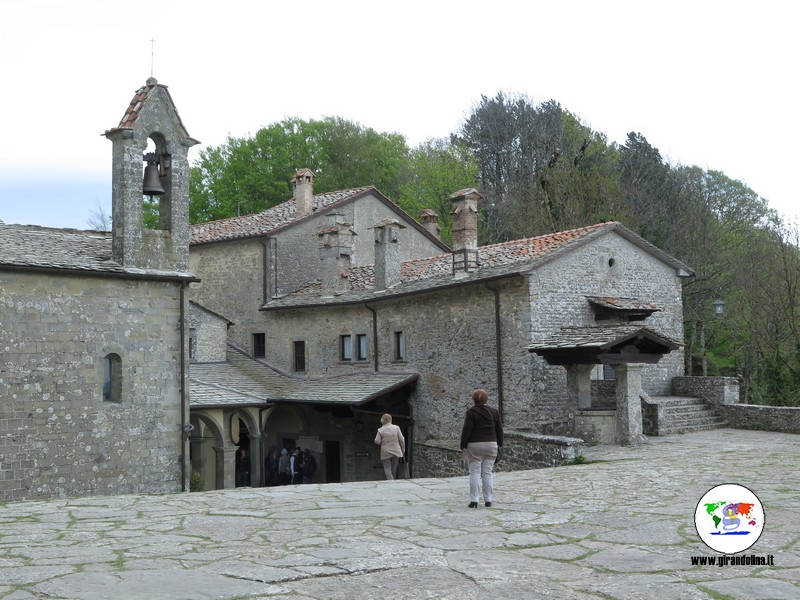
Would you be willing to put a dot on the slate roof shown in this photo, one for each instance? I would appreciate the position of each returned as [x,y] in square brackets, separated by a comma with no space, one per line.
[265,222]
[496,261]
[598,336]
[622,304]
[44,248]
[244,381]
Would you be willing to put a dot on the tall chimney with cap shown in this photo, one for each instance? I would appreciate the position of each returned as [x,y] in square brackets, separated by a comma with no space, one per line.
[387,253]
[335,251]
[464,213]
[427,219]
[303,192]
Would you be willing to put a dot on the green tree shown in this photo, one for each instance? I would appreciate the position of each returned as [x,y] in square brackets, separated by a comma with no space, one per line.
[438,168]
[539,167]
[250,174]
[351,155]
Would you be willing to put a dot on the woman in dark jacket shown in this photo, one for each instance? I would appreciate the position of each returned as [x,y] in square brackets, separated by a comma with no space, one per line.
[481,436]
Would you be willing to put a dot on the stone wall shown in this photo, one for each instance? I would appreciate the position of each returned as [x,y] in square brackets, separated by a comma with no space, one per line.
[232,285]
[604,394]
[770,418]
[58,437]
[521,451]
[714,390]
[209,333]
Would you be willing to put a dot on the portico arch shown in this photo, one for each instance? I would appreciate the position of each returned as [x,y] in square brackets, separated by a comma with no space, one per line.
[283,421]
[205,437]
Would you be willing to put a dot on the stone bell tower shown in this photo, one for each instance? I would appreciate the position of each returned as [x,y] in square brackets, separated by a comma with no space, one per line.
[151,116]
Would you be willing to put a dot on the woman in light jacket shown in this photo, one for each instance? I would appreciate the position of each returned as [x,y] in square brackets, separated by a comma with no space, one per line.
[481,435]
[393,446]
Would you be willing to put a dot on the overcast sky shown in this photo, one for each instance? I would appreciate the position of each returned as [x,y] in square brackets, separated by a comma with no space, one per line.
[711,83]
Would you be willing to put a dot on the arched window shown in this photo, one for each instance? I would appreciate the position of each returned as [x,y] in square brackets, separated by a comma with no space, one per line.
[112,378]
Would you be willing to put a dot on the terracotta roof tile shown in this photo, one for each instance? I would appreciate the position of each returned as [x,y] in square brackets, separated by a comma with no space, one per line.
[427,273]
[135,107]
[264,222]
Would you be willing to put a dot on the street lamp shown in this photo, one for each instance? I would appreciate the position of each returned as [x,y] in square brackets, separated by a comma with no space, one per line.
[719,306]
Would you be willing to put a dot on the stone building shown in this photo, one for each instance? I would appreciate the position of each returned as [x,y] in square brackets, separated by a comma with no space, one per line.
[343,286]
[132,360]
[93,393]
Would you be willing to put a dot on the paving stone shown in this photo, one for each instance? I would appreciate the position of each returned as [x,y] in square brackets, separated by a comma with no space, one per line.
[620,526]
[750,589]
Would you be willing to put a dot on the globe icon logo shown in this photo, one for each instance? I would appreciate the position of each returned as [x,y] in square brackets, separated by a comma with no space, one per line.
[729,518]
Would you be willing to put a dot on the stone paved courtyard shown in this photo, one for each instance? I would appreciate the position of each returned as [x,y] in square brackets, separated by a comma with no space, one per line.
[619,526]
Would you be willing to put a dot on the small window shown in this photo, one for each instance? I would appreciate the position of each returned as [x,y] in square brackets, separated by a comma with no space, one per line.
[299,356]
[112,378]
[192,344]
[609,374]
[361,346]
[399,345]
[259,345]
[345,347]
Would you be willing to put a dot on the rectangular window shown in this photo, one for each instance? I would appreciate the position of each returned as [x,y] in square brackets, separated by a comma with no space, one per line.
[345,347]
[259,345]
[299,356]
[361,346]
[399,345]
[112,378]
[192,344]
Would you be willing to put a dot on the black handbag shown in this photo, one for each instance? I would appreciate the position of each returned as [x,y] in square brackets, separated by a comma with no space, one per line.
[499,456]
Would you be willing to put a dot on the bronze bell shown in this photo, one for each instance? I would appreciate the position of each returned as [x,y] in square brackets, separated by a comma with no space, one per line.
[152,177]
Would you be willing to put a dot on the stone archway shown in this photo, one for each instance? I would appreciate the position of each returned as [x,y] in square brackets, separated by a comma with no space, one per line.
[205,438]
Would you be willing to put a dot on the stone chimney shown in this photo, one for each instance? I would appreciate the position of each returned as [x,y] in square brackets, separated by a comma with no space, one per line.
[303,192]
[464,213]
[427,219]
[387,253]
[335,250]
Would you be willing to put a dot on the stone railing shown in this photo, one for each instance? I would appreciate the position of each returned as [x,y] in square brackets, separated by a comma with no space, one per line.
[714,390]
[521,451]
[769,418]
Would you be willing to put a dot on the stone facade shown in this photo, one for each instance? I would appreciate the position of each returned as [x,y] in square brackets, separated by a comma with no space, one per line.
[92,333]
[208,334]
[240,275]
[470,335]
[58,436]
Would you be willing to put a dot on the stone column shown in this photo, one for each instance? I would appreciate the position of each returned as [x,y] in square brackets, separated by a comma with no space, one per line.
[257,475]
[629,404]
[579,384]
[197,456]
[226,467]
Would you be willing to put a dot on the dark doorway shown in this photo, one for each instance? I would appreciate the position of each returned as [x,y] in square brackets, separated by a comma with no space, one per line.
[333,467]
[243,464]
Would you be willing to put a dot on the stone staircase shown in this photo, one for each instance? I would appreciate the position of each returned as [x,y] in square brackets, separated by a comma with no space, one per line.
[665,415]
